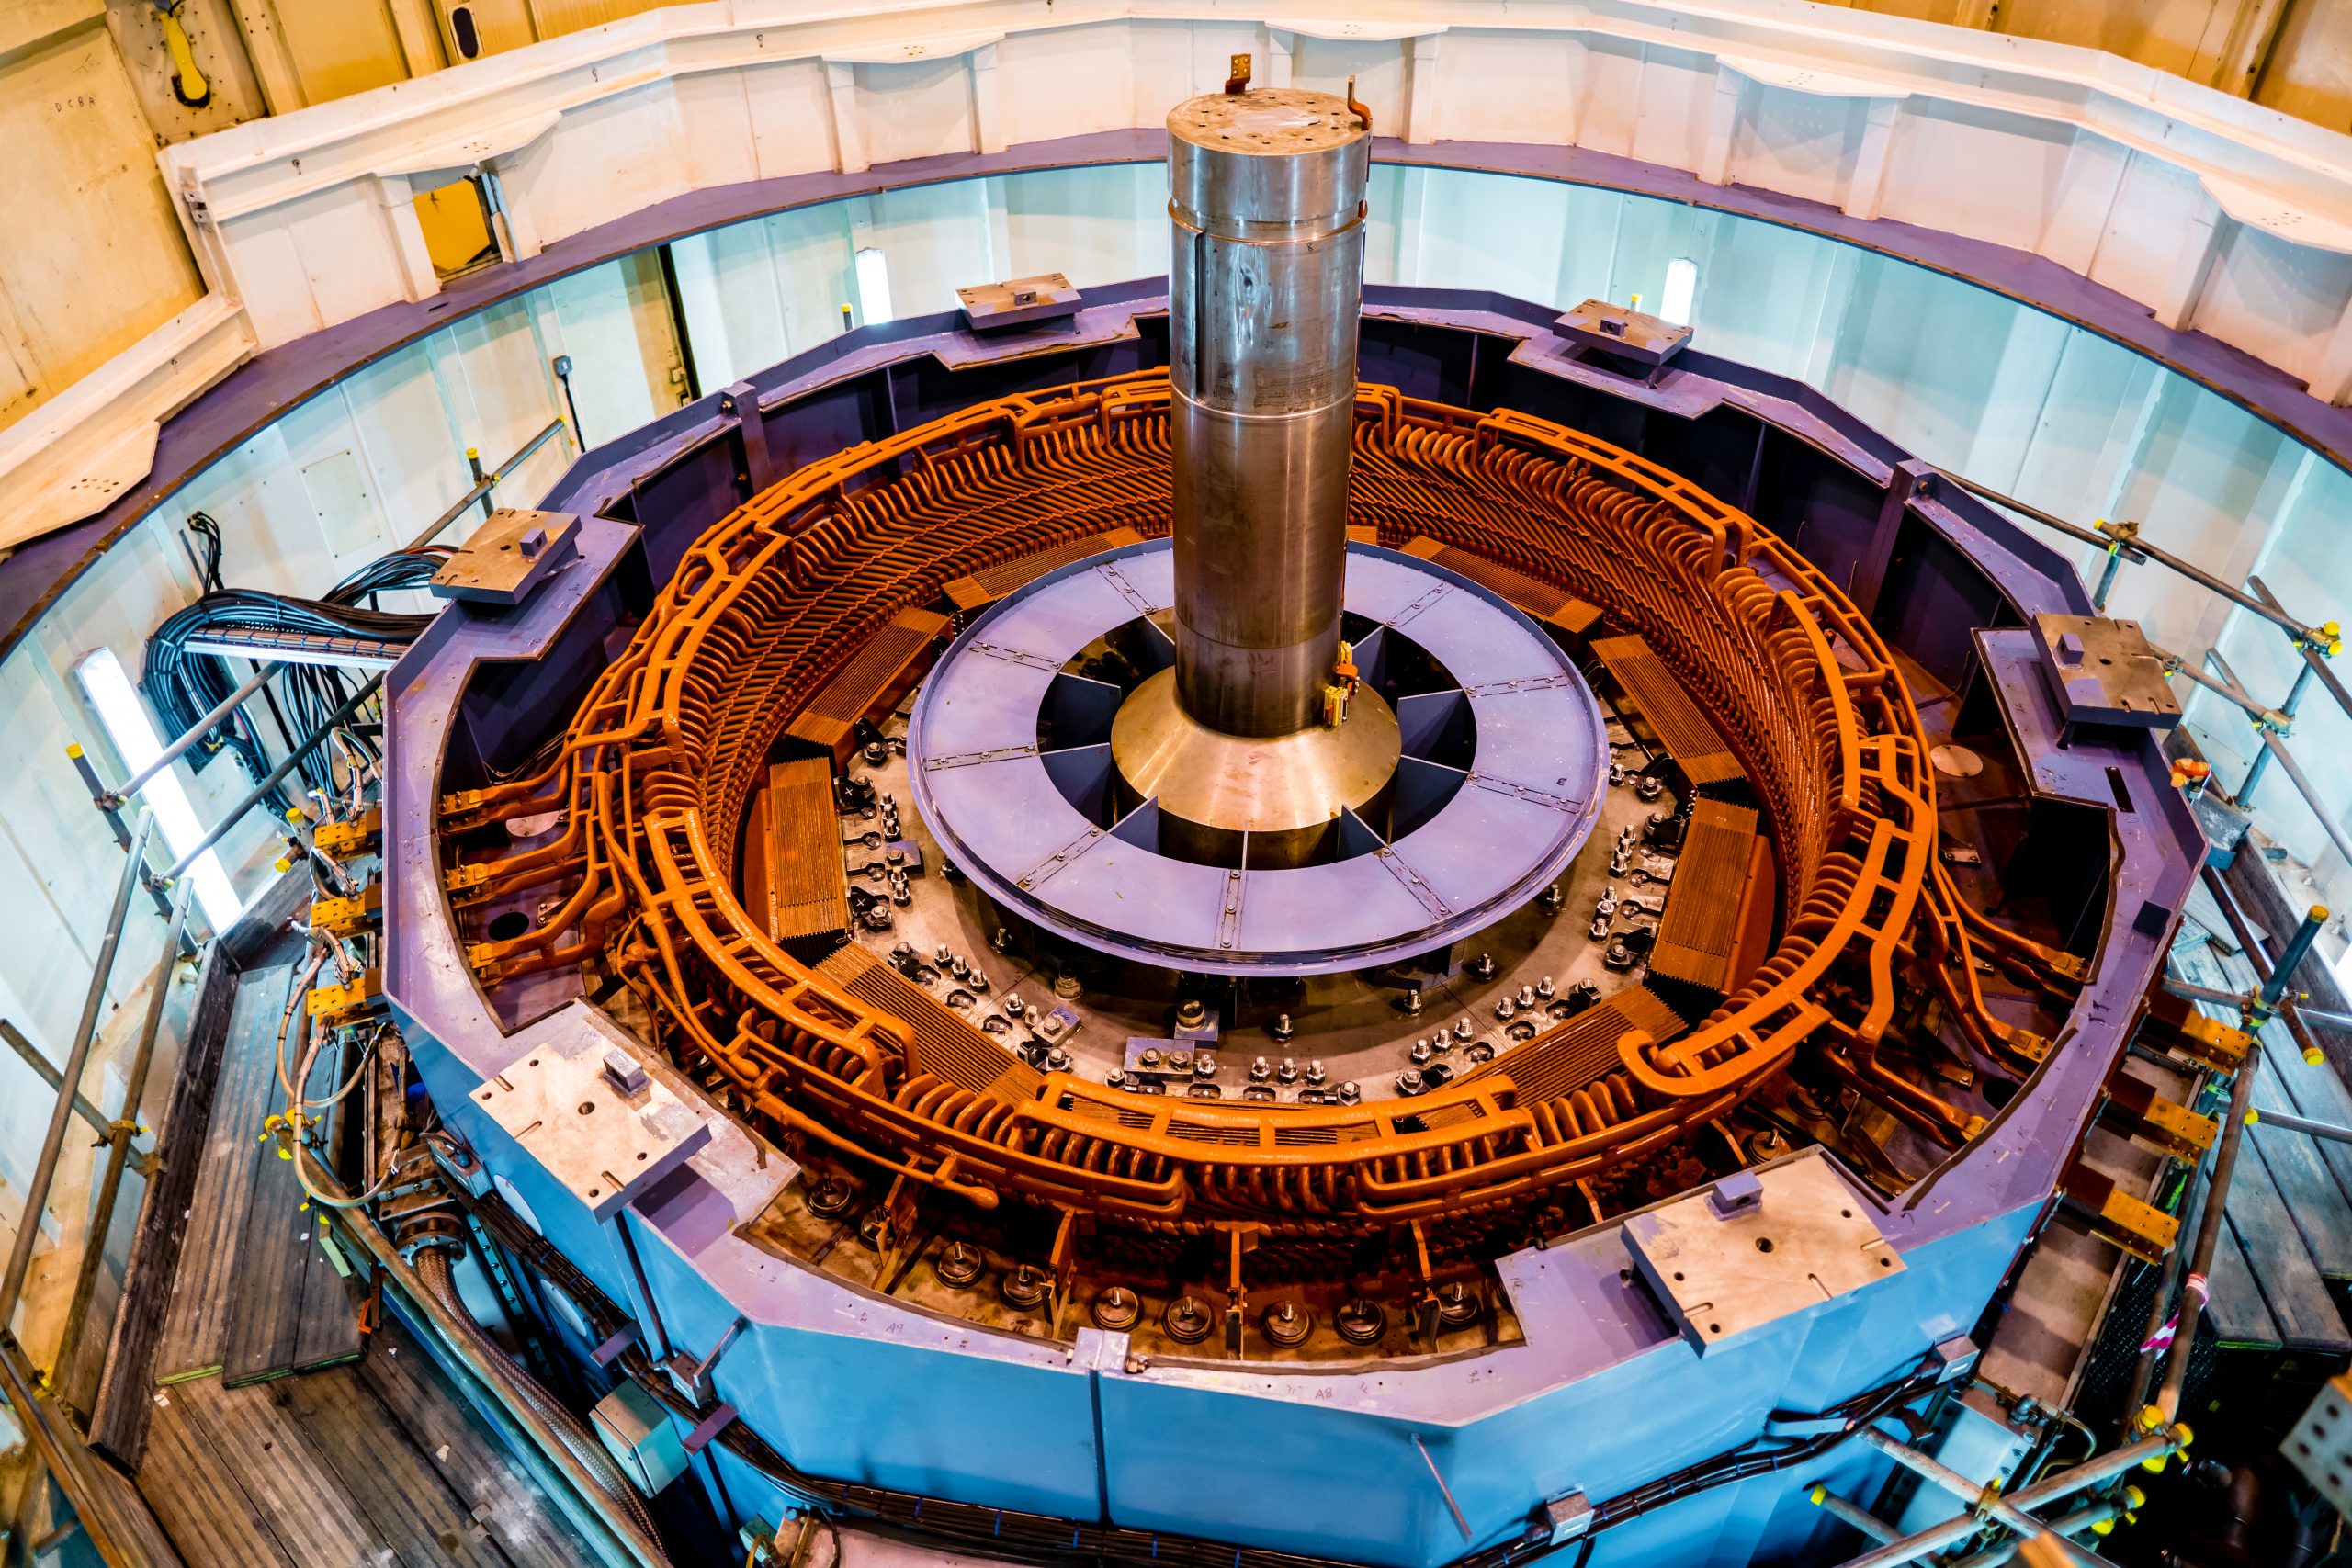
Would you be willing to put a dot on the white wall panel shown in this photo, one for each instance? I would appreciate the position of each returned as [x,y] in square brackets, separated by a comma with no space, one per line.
[715,129]
[1677,103]
[1071,82]
[1799,143]
[939,239]
[614,321]
[1609,97]
[2197,489]
[1499,86]
[1762,293]
[1492,231]
[610,157]
[1636,240]
[792,118]
[2277,300]
[918,110]
[2085,430]
[1382,71]
[403,428]
[2157,206]
[1966,169]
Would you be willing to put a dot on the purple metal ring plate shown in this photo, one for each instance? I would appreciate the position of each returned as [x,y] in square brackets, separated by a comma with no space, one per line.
[1515,817]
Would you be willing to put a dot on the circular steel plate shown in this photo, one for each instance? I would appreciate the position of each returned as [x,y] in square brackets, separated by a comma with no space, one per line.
[1002,810]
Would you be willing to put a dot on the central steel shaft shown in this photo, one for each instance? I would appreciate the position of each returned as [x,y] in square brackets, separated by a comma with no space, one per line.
[1265,288]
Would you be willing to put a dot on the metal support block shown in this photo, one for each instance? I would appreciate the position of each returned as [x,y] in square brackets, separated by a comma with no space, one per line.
[508,555]
[1019,301]
[1642,344]
[348,917]
[2321,1443]
[1759,1246]
[332,1006]
[2174,1025]
[362,835]
[2165,1125]
[2116,1217]
[606,1146]
[2104,672]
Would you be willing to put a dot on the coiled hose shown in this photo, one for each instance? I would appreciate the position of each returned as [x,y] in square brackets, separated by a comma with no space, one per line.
[433,1269]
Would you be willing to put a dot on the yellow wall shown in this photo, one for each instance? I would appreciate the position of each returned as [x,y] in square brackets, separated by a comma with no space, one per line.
[94,256]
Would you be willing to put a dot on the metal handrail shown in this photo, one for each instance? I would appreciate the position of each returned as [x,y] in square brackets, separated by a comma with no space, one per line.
[335,720]
[484,484]
[114,799]
[119,1134]
[77,1057]
[2273,746]
[2123,542]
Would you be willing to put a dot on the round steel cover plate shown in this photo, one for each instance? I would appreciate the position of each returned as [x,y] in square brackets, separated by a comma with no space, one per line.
[1504,765]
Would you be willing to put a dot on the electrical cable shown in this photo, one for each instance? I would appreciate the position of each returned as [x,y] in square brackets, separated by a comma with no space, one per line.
[183,686]
[431,1266]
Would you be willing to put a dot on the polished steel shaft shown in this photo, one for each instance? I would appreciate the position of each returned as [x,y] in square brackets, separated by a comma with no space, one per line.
[1265,286]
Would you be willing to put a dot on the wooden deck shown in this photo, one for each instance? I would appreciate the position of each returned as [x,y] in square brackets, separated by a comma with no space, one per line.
[377,1463]
[376,1460]
[2289,1214]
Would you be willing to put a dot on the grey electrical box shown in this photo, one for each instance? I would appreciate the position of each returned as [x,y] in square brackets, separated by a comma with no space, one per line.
[637,1432]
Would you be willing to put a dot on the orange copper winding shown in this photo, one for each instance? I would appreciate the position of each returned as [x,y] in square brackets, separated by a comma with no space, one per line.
[652,778]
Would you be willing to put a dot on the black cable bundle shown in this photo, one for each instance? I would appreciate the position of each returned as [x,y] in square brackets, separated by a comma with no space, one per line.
[183,686]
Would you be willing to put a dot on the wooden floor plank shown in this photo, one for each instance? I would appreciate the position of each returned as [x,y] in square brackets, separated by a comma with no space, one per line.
[292,1488]
[291,1311]
[2314,1201]
[487,1483]
[2313,1091]
[124,1405]
[404,1496]
[2281,1262]
[198,1503]
[195,1329]
[2233,1303]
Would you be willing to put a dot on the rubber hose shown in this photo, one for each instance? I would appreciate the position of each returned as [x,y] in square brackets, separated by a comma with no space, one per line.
[433,1268]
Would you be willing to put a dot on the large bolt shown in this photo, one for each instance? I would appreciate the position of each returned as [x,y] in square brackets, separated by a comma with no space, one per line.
[1116,1309]
[960,1265]
[1286,1324]
[1187,1320]
[1025,1286]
